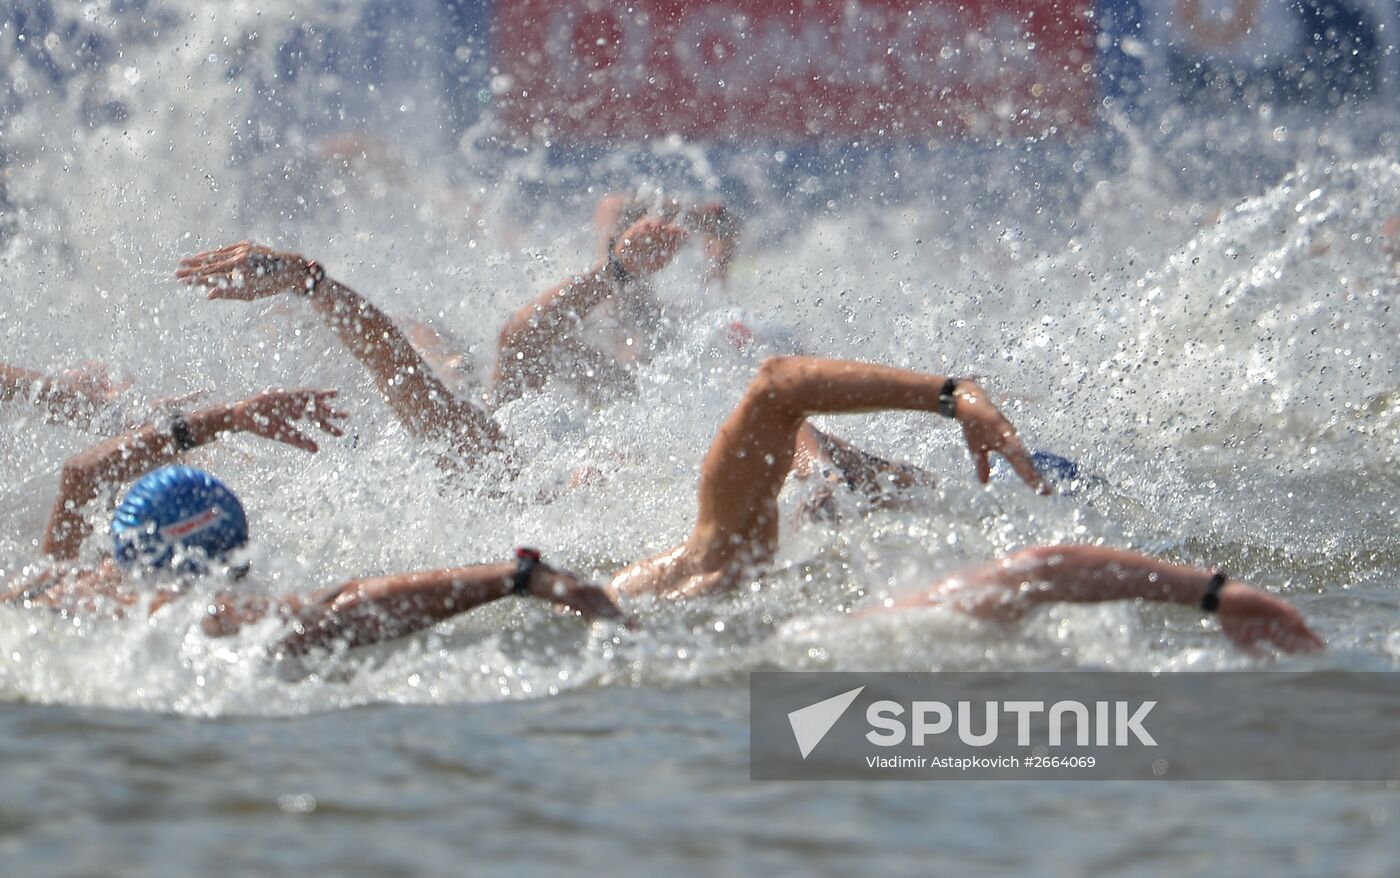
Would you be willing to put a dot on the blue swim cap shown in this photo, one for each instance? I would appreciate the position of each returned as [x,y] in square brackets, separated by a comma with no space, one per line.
[1055,468]
[1059,471]
[177,509]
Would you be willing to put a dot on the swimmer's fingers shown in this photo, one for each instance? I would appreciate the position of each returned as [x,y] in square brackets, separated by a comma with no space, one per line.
[1020,460]
[315,406]
[209,257]
[281,430]
[982,461]
[325,417]
[212,261]
[1250,617]
[295,438]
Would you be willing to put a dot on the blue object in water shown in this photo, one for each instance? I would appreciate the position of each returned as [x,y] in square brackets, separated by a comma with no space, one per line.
[177,510]
[1059,471]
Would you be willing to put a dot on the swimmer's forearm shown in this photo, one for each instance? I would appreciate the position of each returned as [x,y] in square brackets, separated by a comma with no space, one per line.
[373,610]
[1095,574]
[549,316]
[533,335]
[815,385]
[400,373]
[369,611]
[17,383]
[1065,574]
[420,400]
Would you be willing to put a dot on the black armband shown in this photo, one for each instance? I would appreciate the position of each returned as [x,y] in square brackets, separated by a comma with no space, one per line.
[1210,601]
[947,402]
[526,560]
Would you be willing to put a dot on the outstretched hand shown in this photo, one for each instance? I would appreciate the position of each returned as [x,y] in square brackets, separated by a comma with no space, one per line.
[246,271]
[570,592]
[1250,617]
[273,414]
[986,430]
[648,245]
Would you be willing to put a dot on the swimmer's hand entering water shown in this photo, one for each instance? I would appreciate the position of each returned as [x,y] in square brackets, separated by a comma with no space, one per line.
[1252,618]
[986,430]
[246,271]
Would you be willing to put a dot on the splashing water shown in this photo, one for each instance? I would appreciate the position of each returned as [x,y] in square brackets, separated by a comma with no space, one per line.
[1218,350]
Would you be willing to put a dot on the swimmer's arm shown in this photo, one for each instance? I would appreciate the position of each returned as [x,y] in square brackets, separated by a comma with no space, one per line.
[421,401]
[536,331]
[417,396]
[62,400]
[368,611]
[270,414]
[1008,588]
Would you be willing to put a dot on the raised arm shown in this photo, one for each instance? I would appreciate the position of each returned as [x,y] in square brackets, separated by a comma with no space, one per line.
[72,397]
[271,414]
[368,611]
[544,334]
[1006,589]
[750,457]
[417,396]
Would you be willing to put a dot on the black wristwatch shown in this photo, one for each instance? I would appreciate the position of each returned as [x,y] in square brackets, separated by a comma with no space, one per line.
[947,402]
[526,560]
[1210,601]
[180,432]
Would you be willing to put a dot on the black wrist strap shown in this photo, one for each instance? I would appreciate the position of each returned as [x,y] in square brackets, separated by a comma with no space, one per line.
[947,402]
[615,269]
[526,560]
[180,432]
[314,275]
[1210,601]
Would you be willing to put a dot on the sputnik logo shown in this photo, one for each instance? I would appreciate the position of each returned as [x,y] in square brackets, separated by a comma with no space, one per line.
[811,723]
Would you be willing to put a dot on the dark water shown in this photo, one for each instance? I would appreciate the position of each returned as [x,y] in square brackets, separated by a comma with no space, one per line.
[622,781]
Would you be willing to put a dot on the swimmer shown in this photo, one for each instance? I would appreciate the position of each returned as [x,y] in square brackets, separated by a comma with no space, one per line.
[544,340]
[421,401]
[736,532]
[424,403]
[272,415]
[1007,589]
[178,524]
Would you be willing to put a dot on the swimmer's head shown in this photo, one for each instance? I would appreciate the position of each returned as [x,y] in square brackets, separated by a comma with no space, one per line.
[1059,471]
[178,518]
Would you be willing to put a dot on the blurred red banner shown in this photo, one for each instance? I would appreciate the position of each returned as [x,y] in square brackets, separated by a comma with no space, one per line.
[794,69]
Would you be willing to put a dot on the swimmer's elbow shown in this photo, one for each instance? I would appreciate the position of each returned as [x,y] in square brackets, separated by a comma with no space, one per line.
[773,374]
